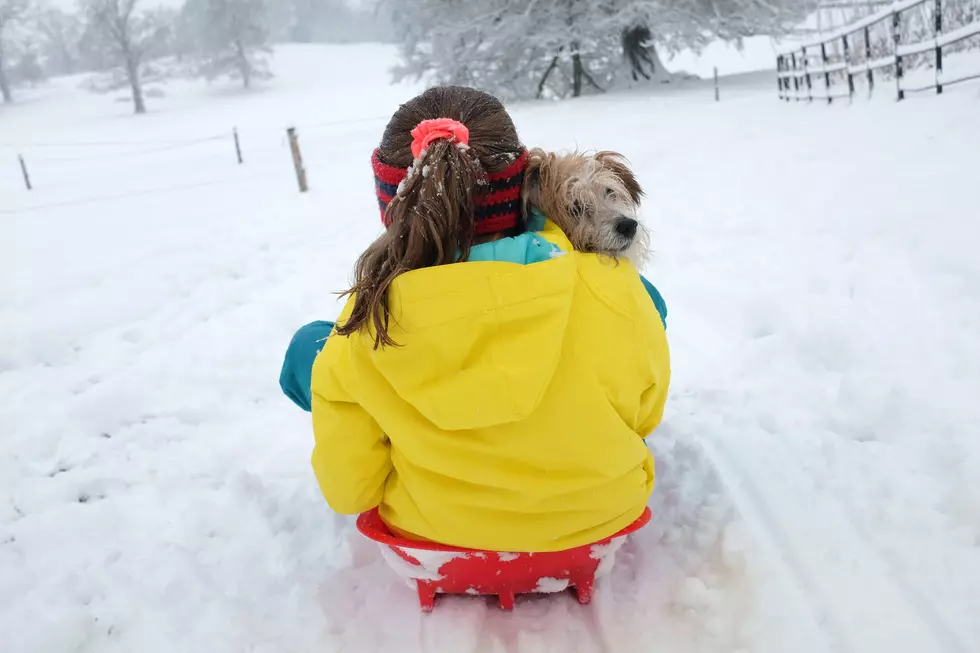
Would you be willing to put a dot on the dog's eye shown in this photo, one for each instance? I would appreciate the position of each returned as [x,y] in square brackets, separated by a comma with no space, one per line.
[610,193]
[578,210]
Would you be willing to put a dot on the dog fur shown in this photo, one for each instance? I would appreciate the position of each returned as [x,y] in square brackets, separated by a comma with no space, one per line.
[593,198]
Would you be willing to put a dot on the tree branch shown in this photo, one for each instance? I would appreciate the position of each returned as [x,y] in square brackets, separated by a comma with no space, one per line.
[547,73]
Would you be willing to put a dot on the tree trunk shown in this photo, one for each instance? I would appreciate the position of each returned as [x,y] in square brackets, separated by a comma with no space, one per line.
[133,73]
[547,73]
[577,71]
[8,96]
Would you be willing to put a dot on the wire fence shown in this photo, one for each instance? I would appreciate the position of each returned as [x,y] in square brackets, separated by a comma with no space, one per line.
[833,66]
[50,174]
[47,171]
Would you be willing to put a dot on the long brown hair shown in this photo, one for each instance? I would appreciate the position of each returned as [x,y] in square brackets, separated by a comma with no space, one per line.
[431,217]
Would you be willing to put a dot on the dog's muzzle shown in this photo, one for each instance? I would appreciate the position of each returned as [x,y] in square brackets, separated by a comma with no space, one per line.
[627,227]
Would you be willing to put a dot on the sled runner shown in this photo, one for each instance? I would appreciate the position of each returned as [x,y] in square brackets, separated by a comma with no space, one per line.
[439,569]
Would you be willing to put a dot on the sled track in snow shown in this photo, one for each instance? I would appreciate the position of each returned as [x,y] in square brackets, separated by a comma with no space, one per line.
[865,619]
[498,630]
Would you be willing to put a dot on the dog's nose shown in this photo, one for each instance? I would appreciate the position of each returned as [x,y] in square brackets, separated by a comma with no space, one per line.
[626,227]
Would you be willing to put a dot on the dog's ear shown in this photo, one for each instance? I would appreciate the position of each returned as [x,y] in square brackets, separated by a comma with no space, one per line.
[617,163]
[531,191]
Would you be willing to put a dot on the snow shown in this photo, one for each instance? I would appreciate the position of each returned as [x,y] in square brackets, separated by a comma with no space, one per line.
[606,555]
[430,562]
[817,464]
[551,585]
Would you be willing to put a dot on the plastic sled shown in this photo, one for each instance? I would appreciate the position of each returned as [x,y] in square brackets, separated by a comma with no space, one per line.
[440,569]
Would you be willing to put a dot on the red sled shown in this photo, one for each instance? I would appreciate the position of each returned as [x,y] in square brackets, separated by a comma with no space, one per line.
[440,569]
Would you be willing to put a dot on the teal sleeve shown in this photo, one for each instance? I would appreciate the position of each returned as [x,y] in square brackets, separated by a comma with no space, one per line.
[658,300]
[297,368]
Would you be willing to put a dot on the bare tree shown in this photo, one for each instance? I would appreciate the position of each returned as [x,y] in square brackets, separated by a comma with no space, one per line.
[12,12]
[61,33]
[131,35]
[230,37]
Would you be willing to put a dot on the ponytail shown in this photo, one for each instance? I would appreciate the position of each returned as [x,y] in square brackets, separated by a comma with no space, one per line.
[430,222]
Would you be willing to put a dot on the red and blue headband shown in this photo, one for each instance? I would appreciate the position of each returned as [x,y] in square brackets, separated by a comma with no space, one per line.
[498,209]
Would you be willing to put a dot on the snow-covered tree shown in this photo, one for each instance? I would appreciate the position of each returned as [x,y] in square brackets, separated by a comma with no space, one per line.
[12,14]
[130,36]
[61,34]
[230,36]
[528,48]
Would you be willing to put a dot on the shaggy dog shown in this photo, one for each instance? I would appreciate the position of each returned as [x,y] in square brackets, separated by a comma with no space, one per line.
[594,199]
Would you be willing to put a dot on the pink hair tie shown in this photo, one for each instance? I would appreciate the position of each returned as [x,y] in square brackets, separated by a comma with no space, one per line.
[429,131]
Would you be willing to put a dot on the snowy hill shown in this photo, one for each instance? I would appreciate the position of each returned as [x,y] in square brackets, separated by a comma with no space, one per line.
[816,466]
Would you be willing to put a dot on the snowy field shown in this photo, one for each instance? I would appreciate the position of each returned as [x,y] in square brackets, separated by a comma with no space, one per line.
[818,462]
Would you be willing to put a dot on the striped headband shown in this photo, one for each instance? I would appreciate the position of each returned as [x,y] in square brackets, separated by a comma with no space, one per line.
[497,210]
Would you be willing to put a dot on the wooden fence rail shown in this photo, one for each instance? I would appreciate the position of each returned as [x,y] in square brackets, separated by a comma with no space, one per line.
[796,68]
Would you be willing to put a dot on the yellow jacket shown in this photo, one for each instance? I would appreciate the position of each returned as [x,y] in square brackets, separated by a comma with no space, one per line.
[512,414]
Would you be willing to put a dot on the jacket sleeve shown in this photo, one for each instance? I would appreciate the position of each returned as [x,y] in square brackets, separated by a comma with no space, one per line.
[656,356]
[297,366]
[352,456]
[657,298]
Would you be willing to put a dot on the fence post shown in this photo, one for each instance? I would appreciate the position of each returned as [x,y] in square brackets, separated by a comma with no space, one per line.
[238,146]
[847,68]
[897,37]
[717,96]
[23,169]
[867,60]
[806,75]
[783,81]
[297,160]
[779,74]
[939,49]
[796,80]
[826,75]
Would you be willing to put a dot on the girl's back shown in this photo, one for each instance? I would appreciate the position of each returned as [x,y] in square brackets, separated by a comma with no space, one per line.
[508,408]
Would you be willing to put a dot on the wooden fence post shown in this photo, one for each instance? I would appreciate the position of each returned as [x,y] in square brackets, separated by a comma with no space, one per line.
[806,76]
[939,48]
[867,60]
[779,75]
[297,159]
[826,75]
[783,80]
[717,96]
[897,38]
[23,169]
[847,69]
[796,80]
[238,146]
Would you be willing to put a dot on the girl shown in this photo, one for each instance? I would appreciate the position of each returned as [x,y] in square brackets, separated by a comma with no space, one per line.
[483,388]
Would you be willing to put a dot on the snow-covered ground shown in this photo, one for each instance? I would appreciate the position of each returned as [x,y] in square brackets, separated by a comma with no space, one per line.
[817,464]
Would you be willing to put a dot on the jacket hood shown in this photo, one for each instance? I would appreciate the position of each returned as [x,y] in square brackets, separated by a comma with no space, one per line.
[479,342]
